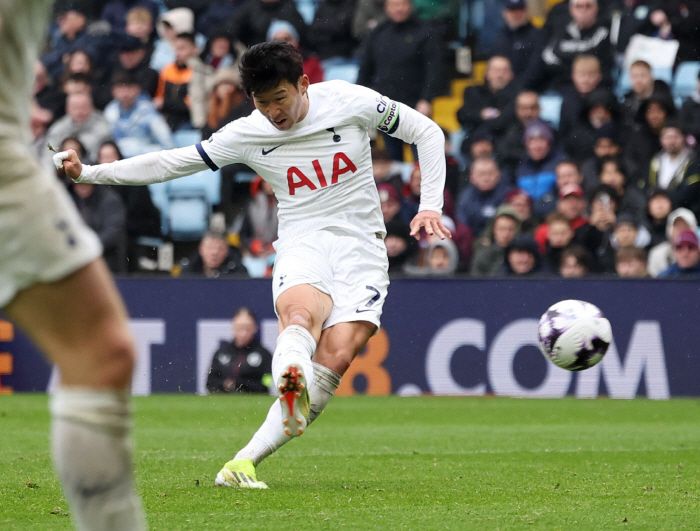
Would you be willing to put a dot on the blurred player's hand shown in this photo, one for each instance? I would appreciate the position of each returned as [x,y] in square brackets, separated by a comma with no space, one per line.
[68,161]
[431,221]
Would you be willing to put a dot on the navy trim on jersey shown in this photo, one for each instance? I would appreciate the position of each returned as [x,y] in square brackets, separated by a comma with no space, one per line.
[205,157]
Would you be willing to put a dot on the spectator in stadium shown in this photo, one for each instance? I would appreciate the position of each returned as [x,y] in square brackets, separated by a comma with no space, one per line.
[585,34]
[142,216]
[139,24]
[81,121]
[281,30]
[567,173]
[115,12]
[218,55]
[680,20]
[227,101]
[491,105]
[607,144]
[521,203]
[403,60]
[575,262]
[518,40]
[385,169]
[687,256]
[259,228]
[571,203]
[489,248]
[168,26]
[241,365]
[330,33]
[631,262]
[510,149]
[559,236]
[137,126]
[79,66]
[676,169]
[252,20]
[479,143]
[47,95]
[72,35]
[690,114]
[215,258]
[659,207]
[586,77]
[632,201]
[535,173]
[132,58]
[643,140]
[172,97]
[477,203]
[214,13]
[596,235]
[661,256]
[391,202]
[401,248]
[104,212]
[634,18]
[643,87]
[368,15]
[599,113]
[628,232]
[522,258]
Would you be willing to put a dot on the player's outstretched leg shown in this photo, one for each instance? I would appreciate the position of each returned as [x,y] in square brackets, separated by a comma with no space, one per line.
[80,323]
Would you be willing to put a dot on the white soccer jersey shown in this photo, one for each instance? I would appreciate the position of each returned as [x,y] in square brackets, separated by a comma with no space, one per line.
[320,169]
[22,31]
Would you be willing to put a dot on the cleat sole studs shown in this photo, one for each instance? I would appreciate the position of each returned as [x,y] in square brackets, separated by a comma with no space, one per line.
[301,431]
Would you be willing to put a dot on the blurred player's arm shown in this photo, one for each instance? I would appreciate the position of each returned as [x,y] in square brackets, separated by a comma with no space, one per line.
[144,169]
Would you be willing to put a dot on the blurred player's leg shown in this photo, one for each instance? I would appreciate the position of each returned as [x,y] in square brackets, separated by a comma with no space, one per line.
[338,346]
[81,324]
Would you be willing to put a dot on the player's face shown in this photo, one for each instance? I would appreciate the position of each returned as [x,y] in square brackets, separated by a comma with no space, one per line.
[285,104]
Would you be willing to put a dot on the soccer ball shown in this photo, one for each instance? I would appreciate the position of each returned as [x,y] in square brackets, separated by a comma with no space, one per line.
[574,335]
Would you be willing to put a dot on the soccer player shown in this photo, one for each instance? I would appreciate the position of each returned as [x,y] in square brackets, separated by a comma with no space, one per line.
[55,286]
[330,275]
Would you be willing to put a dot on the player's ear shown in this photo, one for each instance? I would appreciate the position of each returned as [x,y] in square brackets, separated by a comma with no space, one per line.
[303,83]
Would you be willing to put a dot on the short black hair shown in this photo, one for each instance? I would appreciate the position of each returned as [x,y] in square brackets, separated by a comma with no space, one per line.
[266,65]
[188,36]
[122,77]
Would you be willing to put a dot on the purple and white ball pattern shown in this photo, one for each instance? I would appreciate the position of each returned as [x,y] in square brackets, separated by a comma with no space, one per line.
[574,335]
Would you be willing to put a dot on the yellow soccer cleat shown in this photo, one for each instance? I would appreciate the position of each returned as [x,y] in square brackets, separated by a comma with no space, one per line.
[239,473]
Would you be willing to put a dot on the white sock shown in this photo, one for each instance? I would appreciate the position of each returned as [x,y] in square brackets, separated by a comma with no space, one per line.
[294,345]
[92,454]
[270,436]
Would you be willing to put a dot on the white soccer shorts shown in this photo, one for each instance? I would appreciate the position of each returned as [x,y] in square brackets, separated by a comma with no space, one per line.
[351,269]
[42,236]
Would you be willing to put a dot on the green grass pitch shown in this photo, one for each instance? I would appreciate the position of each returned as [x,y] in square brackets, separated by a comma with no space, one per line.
[389,463]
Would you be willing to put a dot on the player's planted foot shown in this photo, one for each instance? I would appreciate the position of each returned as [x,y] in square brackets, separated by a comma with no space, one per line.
[294,399]
[239,473]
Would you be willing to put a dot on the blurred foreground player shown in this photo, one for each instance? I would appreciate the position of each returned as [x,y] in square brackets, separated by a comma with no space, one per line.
[330,277]
[55,286]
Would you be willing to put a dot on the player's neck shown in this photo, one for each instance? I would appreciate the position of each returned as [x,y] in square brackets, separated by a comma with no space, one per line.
[305,107]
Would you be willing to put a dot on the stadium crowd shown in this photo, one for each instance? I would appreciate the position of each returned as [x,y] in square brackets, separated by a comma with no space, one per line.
[575,157]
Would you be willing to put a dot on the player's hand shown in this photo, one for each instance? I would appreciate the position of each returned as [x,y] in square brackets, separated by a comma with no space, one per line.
[431,221]
[68,161]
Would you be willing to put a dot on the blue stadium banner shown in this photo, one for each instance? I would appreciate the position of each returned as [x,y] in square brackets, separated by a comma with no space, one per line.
[445,337]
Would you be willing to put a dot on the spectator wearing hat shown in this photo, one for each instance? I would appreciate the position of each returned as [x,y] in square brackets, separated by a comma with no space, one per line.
[521,203]
[631,200]
[72,35]
[607,144]
[572,204]
[518,40]
[137,126]
[631,262]
[133,58]
[477,203]
[391,203]
[536,172]
[658,209]
[600,111]
[522,258]
[687,254]
[643,87]
[491,105]
[489,248]
[168,26]
[511,149]
[676,169]
[586,78]
[661,256]
[281,30]
[643,140]
[567,172]
[575,262]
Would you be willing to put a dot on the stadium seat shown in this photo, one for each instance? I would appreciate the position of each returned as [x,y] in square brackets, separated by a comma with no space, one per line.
[685,82]
[345,72]
[550,108]
[159,196]
[186,137]
[206,182]
[189,216]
